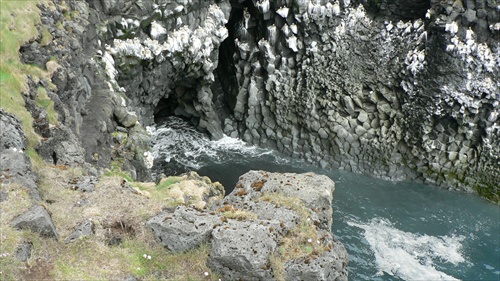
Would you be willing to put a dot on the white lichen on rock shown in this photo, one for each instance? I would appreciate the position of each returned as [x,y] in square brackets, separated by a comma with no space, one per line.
[194,47]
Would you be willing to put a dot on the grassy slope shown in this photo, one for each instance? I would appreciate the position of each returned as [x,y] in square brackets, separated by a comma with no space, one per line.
[17,26]
[89,258]
[112,210]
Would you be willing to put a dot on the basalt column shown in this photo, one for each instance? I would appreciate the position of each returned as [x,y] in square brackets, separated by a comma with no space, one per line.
[399,90]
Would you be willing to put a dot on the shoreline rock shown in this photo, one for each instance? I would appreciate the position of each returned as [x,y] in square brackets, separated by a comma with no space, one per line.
[253,228]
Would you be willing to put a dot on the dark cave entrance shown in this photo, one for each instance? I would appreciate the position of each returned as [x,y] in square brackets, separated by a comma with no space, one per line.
[165,108]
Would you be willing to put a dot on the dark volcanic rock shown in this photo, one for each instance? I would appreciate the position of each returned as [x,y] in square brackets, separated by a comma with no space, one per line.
[395,89]
[84,99]
[12,132]
[36,219]
[183,228]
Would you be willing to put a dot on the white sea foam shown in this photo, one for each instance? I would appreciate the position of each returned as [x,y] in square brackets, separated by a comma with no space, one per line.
[177,140]
[410,256]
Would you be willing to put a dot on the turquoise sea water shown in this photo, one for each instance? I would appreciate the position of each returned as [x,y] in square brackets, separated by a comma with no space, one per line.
[391,230]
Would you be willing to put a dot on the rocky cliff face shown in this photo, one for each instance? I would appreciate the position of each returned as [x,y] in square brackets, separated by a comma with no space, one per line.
[400,93]
[395,89]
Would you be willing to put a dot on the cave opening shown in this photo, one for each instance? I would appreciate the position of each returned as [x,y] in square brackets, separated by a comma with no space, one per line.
[165,108]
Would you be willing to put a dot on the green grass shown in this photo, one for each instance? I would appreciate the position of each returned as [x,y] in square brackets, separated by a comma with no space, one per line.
[165,184]
[44,101]
[116,170]
[18,20]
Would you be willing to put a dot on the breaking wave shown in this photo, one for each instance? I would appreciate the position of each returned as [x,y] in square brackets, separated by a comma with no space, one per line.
[177,143]
[410,256]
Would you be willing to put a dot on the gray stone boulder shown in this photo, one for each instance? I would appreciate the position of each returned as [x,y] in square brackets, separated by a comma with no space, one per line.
[83,184]
[36,219]
[241,250]
[315,191]
[15,167]
[84,229]
[183,228]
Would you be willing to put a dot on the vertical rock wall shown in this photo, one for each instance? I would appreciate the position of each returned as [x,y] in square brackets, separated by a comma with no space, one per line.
[396,89]
[396,93]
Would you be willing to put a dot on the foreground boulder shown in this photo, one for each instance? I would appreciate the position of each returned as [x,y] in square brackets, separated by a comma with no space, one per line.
[36,219]
[183,228]
[241,250]
[273,226]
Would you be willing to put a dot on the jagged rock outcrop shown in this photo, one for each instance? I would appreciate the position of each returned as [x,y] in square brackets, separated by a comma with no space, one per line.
[85,102]
[15,165]
[36,219]
[12,132]
[268,228]
[162,56]
[400,93]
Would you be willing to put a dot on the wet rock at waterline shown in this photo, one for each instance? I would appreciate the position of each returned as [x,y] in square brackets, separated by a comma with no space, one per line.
[265,229]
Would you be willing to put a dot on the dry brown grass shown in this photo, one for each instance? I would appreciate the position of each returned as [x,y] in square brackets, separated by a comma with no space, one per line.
[114,211]
[301,242]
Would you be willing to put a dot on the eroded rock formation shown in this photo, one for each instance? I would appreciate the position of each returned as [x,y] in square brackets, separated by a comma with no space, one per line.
[406,93]
[395,89]
[272,226]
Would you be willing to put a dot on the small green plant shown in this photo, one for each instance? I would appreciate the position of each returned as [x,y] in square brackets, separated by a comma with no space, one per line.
[45,102]
[166,183]
[46,37]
